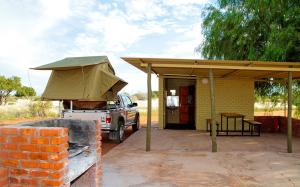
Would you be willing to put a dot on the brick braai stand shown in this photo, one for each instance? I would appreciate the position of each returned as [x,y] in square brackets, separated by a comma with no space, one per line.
[38,156]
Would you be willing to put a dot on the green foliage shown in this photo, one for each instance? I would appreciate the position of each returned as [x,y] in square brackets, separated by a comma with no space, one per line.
[11,85]
[7,86]
[143,95]
[265,30]
[252,30]
[25,91]
[139,96]
[40,109]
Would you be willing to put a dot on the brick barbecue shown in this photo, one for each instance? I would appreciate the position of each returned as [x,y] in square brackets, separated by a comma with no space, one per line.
[56,152]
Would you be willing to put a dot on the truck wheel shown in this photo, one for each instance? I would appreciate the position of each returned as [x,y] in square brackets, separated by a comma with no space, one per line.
[120,132]
[136,125]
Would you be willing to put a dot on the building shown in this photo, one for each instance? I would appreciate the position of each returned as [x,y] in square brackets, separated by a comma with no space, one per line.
[192,90]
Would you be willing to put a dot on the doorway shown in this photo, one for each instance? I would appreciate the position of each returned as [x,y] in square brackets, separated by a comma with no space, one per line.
[180,103]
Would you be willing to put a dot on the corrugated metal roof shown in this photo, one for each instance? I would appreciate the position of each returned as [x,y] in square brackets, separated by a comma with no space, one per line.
[221,68]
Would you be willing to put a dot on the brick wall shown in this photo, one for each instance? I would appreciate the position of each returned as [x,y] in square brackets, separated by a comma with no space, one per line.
[34,156]
[38,156]
[278,124]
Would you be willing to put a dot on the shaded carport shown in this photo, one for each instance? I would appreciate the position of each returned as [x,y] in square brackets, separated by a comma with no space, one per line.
[257,70]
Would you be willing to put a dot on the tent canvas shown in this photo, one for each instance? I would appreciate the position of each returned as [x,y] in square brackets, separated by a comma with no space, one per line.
[82,78]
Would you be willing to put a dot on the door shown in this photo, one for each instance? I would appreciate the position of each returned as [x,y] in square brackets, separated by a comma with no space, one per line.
[129,109]
[184,105]
[187,105]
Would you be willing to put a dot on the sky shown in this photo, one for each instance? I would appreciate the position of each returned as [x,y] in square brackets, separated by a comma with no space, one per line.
[37,32]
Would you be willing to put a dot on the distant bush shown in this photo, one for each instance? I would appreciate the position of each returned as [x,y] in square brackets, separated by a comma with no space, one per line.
[41,109]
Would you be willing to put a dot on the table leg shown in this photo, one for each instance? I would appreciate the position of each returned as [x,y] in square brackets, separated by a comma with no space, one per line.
[243,126]
[235,124]
[227,125]
[221,123]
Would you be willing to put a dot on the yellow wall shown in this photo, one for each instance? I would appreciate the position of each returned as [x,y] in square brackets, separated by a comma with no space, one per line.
[235,95]
[231,96]
[161,103]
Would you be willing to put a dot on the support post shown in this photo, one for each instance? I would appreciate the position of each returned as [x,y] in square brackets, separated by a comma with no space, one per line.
[213,112]
[71,106]
[149,108]
[289,119]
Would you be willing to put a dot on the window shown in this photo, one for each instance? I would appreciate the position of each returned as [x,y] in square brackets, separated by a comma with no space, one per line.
[172,101]
[127,102]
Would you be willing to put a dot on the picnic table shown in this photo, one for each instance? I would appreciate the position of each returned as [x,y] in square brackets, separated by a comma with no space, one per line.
[234,116]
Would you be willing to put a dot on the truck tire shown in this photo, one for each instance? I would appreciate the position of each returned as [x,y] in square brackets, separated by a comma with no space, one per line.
[136,125]
[118,135]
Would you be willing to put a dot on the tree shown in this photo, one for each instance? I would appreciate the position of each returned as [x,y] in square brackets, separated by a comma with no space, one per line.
[25,91]
[266,30]
[252,30]
[7,86]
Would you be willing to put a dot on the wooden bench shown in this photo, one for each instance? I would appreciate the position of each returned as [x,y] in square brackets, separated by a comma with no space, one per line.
[208,126]
[253,125]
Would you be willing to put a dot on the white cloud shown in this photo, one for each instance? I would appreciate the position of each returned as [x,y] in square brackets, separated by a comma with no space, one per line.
[37,32]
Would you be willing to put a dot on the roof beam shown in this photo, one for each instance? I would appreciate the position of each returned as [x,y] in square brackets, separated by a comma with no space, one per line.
[198,66]
[235,71]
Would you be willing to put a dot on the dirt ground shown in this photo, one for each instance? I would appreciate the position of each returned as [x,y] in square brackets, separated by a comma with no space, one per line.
[183,158]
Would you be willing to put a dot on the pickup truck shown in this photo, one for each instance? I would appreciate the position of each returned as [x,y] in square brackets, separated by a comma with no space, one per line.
[115,116]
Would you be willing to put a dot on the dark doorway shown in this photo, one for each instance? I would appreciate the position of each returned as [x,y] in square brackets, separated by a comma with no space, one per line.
[180,106]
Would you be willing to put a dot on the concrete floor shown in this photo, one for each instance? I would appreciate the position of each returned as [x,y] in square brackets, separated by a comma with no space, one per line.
[183,158]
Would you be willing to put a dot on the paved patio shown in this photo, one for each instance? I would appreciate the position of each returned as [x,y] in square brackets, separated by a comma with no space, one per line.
[183,158]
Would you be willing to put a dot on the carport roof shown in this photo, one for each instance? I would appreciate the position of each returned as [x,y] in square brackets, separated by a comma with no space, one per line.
[221,68]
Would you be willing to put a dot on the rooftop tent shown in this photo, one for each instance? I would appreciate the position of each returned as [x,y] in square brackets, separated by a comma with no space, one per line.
[82,78]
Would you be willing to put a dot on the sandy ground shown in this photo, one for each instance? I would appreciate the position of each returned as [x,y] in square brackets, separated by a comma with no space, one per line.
[183,158]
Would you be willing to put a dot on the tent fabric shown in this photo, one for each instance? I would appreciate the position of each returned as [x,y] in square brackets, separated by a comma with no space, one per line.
[95,82]
[75,62]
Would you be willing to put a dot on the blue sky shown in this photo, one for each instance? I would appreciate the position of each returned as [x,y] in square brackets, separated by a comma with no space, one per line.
[38,32]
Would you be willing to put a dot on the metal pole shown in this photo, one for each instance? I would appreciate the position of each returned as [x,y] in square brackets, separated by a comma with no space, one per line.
[59,108]
[213,111]
[71,106]
[149,108]
[289,119]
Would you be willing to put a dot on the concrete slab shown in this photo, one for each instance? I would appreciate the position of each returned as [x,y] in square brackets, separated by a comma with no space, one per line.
[183,158]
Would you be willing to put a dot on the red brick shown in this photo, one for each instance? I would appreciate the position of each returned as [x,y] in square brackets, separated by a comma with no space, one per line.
[18,139]
[38,156]
[51,148]
[51,132]
[29,147]
[58,140]
[2,139]
[3,172]
[44,165]
[4,182]
[57,174]
[47,182]
[17,155]
[39,173]
[29,181]
[57,165]
[28,131]
[29,164]
[8,130]
[40,140]
[14,180]
[18,172]
[3,154]
[10,163]
[58,156]
[10,147]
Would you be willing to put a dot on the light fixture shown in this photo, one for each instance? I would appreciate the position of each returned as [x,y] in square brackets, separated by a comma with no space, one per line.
[204,81]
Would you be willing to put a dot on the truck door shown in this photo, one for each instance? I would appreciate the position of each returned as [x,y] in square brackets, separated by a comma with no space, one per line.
[130,111]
